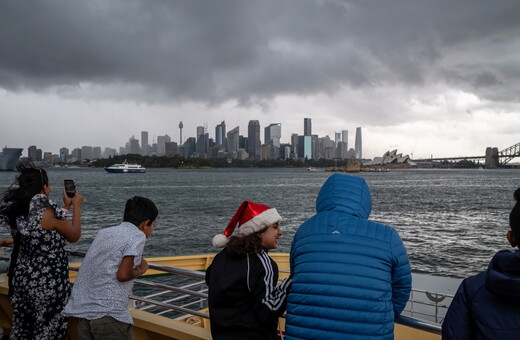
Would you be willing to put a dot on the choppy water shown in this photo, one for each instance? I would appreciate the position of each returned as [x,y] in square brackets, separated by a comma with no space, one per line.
[451,221]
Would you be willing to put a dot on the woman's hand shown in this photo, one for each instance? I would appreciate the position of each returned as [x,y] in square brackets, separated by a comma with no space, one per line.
[77,200]
[67,201]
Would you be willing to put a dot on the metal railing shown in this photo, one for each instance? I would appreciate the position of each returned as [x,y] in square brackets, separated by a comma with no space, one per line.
[180,299]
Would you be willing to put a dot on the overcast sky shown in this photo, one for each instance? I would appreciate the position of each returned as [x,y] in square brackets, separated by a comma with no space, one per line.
[436,77]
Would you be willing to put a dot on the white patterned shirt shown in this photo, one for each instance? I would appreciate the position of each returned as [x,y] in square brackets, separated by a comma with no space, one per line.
[97,292]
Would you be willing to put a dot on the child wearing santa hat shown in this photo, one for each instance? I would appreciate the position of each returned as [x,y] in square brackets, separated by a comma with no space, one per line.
[245,301]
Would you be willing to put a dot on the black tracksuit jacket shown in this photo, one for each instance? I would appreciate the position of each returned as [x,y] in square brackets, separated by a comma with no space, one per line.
[244,301]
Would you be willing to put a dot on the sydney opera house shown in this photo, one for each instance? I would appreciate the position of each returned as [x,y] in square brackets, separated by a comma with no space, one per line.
[390,158]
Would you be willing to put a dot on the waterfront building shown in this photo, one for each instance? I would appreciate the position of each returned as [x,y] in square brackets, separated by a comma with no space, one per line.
[330,147]
[109,152]
[161,144]
[170,149]
[344,136]
[96,152]
[31,152]
[266,152]
[341,150]
[47,157]
[220,134]
[305,147]
[389,157]
[144,142]
[307,127]
[64,155]
[242,155]
[76,155]
[242,142]
[133,146]
[253,139]
[273,134]
[200,131]
[202,146]
[314,146]
[233,140]
[285,151]
[358,145]
[337,137]
[189,146]
[86,152]
[294,145]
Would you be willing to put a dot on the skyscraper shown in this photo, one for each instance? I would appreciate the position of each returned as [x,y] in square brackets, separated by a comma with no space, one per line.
[144,142]
[273,134]
[220,133]
[358,145]
[253,139]
[337,137]
[294,145]
[307,127]
[305,147]
[161,144]
[232,139]
[180,128]
[344,136]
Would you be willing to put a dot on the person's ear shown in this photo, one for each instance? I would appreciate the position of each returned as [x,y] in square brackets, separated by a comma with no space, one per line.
[143,224]
[512,239]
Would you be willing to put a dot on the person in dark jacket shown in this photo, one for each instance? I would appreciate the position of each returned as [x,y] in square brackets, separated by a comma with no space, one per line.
[350,276]
[487,305]
[244,299]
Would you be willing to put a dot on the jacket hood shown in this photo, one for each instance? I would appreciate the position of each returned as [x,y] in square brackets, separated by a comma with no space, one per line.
[346,194]
[503,275]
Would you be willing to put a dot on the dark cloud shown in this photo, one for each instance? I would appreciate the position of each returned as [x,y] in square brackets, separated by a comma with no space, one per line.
[252,51]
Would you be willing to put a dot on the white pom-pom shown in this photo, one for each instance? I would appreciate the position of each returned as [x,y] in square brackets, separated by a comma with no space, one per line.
[220,241]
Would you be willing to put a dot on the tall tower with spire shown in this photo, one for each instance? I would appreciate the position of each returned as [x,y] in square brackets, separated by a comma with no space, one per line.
[180,128]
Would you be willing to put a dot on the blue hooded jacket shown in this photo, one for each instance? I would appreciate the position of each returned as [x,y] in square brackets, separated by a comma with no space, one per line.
[487,305]
[351,276]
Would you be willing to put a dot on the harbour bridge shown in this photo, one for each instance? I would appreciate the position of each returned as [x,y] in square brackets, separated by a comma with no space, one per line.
[492,159]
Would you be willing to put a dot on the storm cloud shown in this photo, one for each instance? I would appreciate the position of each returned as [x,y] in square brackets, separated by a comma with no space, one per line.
[440,75]
[213,51]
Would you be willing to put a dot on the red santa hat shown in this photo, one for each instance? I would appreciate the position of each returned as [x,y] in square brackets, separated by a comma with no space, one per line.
[250,217]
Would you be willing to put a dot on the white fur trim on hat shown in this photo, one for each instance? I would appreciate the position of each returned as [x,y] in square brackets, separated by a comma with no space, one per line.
[220,241]
[260,221]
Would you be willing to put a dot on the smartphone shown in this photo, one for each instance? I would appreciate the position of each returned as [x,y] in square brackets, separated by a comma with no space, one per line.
[70,187]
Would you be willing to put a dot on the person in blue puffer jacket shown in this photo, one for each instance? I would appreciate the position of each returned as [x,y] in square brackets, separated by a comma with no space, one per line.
[350,276]
[487,305]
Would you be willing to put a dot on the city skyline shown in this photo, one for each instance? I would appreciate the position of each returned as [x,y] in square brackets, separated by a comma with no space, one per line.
[428,78]
[166,145]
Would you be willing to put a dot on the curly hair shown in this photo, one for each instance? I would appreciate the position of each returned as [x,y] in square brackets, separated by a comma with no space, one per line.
[243,245]
[29,182]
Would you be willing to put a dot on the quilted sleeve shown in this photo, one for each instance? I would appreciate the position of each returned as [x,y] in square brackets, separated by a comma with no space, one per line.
[401,275]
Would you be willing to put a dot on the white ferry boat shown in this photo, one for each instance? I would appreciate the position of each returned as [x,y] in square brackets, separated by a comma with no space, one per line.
[125,168]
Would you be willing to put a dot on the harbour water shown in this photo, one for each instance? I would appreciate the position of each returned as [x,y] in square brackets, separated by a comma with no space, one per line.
[451,221]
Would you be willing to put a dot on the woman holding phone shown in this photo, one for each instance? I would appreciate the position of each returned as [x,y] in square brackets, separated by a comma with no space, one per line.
[39,285]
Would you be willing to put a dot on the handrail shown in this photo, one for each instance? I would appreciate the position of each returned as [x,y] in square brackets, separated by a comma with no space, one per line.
[419,324]
[403,320]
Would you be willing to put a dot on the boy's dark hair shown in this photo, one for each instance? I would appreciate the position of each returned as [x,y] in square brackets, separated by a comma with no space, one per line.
[139,209]
[243,245]
[514,217]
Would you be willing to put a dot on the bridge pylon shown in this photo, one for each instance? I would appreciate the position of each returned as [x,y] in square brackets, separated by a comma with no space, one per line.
[491,158]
